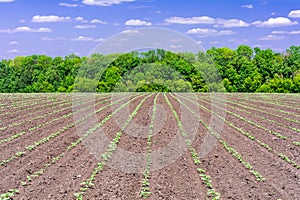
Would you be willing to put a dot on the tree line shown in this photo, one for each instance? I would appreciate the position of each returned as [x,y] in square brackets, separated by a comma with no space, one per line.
[218,69]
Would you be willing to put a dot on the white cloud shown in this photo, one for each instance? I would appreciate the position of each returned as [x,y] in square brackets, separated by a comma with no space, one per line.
[13,51]
[273,13]
[68,5]
[80,19]
[231,23]
[275,22]
[104,2]
[272,37]
[84,26]
[6,1]
[286,32]
[86,39]
[294,14]
[82,38]
[207,20]
[52,39]
[177,40]
[137,22]
[173,46]
[250,6]
[26,29]
[49,18]
[14,43]
[238,41]
[97,21]
[191,20]
[204,32]
[132,32]
[227,32]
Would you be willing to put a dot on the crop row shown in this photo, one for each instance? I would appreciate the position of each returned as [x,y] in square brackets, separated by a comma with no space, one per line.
[30,129]
[89,182]
[22,104]
[227,147]
[74,144]
[206,179]
[270,111]
[278,107]
[28,106]
[21,122]
[19,103]
[285,100]
[260,116]
[51,136]
[145,189]
[245,133]
[55,105]
[259,126]
[40,108]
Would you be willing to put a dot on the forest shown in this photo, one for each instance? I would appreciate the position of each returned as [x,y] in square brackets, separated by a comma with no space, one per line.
[217,70]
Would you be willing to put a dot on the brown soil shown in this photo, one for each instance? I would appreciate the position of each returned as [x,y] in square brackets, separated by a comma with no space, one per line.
[121,179]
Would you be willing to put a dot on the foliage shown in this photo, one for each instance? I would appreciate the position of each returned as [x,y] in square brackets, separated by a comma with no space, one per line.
[218,69]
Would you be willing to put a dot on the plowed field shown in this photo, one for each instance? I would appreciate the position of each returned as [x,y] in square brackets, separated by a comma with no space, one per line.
[150,146]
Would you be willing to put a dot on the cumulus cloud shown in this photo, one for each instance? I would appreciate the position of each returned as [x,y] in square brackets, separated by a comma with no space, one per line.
[249,6]
[218,22]
[137,22]
[13,51]
[231,23]
[191,20]
[97,21]
[52,39]
[68,5]
[49,18]
[26,29]
[286,32]
[275,22]
[294,14]
[14,43]
[86,39]
[132,32]
[84,26]
[80,19]
[272,37]
[204,32]
[6,1]
[227,32]
[173,46]
[104,2]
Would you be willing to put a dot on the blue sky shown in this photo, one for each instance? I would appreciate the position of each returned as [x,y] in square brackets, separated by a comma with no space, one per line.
[62,27]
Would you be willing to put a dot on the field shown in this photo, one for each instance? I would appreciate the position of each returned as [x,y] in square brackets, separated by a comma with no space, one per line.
[150,146]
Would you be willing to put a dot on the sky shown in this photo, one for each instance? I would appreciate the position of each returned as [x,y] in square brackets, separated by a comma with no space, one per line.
[63,27]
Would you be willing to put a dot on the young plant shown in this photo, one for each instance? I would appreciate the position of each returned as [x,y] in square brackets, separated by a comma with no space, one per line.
[145,190]
[202,173]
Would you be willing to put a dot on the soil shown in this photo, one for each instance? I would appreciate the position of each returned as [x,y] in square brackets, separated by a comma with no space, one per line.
[173,174]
